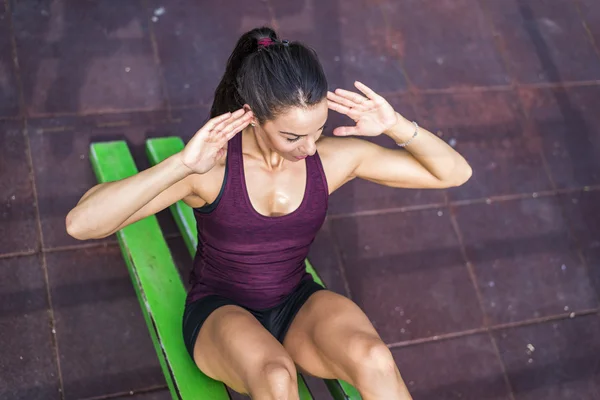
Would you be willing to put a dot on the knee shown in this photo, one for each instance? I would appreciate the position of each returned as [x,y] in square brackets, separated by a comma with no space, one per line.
[277,380]
[372,358]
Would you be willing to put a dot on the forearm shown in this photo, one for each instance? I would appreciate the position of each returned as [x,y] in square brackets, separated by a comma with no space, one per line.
[106,206]
[440,159]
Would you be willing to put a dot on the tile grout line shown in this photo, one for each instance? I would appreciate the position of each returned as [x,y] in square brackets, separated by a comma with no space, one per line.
[463,203]
[486,319]
[411,88]
[19,254]
[457,90]
[494,328]
[586,27]
[92,245]
[130,393]
[157,59]
[470,266]
[35,197]
[339,260]
[500,48]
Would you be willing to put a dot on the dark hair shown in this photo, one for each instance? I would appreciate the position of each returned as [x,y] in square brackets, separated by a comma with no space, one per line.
[270,79]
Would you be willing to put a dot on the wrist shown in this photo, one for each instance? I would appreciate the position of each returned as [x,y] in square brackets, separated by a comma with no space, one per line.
[402,131]
[178,166]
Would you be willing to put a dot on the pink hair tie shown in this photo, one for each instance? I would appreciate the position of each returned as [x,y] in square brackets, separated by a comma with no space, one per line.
[265,42]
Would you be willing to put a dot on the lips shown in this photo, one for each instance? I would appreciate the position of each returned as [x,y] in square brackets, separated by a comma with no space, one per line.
[300,158]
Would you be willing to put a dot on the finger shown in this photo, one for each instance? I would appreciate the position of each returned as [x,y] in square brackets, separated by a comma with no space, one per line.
[237,130]
[216,120]
[241,113]
[367,91]
[237,125]
[343,101]
[352,113]
[345,131]
[355,97]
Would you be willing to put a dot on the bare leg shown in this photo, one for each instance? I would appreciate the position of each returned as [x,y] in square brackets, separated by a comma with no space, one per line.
[331,338]
[234,348]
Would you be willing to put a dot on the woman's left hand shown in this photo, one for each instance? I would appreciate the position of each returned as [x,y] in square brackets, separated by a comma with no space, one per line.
[373,115]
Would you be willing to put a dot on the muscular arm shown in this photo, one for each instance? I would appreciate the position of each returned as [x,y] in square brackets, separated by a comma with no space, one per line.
[426,163]
[108,207]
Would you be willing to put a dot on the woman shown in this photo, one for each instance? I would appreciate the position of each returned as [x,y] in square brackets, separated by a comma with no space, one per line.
[258,176]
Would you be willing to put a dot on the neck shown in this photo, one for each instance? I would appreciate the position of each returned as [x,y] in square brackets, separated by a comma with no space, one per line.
[257,145]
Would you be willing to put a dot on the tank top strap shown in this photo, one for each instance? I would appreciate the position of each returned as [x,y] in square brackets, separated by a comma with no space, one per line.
[317,181]
[235,162]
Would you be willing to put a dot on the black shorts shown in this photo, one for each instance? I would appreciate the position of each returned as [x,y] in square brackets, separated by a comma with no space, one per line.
[276,320]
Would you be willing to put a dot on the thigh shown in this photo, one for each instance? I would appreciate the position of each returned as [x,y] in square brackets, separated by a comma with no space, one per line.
[327,334]
[232,347]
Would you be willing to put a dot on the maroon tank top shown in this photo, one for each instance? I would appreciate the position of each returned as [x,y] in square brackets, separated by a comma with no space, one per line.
[250,258]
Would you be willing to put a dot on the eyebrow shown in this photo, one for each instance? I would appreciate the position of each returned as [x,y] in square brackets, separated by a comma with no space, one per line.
[294,134]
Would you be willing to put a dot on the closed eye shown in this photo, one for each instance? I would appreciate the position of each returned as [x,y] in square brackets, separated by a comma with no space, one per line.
[296,138]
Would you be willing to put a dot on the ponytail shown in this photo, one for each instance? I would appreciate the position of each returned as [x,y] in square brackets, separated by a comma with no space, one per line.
[270,76]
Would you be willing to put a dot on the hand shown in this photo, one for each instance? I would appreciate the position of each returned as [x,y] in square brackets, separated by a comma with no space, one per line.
[209,144]
[373,115]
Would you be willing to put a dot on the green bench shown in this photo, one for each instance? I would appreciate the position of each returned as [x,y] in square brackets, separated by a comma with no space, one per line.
[157,282]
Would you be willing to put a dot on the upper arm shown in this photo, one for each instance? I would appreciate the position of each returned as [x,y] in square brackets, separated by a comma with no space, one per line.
[390,167]
[182,190]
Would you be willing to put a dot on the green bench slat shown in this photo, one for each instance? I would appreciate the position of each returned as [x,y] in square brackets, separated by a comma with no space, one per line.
[160,149]
[157,283]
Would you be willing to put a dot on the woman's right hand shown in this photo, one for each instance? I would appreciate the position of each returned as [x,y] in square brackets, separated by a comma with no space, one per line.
[207,146]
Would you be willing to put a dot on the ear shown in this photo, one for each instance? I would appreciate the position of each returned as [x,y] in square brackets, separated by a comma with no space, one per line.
[253,121]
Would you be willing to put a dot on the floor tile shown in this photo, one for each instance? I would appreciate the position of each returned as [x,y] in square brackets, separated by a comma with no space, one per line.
[553,360]
[525,262]
[456,49]
[569,125]
[465,368]
[154,395]
[60,157]
[194,49]
[590,11]
[406,271]
[325,258]
[28,368]
[9,92]
[544,40]
[18,221]
[361,195]
[487,128]
[583,212]
[103,341]
[82,57]
[356,45]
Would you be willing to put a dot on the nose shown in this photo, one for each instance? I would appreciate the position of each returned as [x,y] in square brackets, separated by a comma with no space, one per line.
[311,147]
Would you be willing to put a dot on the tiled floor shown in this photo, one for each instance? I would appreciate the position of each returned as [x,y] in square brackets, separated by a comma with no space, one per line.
[486,291]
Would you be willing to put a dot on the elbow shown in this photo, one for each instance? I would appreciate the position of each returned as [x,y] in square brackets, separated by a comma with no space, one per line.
[75,228]
[463,176]
[458,178]
[72,228]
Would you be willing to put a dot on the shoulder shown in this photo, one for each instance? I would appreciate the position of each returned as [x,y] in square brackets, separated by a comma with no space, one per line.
[340,156]
[206,187]
[348,150]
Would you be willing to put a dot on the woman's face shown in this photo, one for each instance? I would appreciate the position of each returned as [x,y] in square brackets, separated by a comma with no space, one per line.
[293,134]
